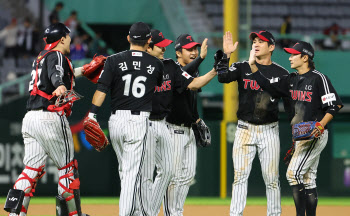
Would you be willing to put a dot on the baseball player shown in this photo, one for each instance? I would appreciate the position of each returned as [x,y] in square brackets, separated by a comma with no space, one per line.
[175,79]
[257,128]
[313,99]
[45,128]
[180,118]
[131,77]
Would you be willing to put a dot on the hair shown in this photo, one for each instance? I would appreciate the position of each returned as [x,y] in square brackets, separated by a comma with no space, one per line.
[151,45]
[73,13]
[138,42]
[59,4]
[311,63]
[180,50]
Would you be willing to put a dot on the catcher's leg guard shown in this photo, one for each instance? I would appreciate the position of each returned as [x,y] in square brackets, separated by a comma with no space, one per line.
[27,182]
[14,201]
[69,185]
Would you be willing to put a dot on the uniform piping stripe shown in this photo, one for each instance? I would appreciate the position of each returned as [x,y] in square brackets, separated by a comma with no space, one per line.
[303,161]
[325,84]
[66,146]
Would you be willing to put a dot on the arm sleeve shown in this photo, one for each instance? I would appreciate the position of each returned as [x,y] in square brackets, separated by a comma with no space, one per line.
[276,87]
[160,73]
[233,73]
[55,69]
[192,67]
[329,97]
[182,79]
[106,76]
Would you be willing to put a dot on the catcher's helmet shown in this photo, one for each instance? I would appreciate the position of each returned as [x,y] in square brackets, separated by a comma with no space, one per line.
[53,34]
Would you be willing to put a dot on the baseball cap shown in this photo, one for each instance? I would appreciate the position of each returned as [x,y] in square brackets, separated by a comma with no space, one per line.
[53,34]
[158,39]
[140,31]
[263,35]
[185,41]
[301,47]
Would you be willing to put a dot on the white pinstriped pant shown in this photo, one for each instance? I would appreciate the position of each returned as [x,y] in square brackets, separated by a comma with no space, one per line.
[303,165]
[130,137]
[249,139]
[162,145]
[45,134]
[185,159]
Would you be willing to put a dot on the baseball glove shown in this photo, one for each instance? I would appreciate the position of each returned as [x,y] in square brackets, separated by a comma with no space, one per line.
[289,155]
[307,130]
[94,134]
[220,62]
[202,134]
[93,70]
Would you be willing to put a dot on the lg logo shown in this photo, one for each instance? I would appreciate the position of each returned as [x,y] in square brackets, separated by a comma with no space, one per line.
[13,199]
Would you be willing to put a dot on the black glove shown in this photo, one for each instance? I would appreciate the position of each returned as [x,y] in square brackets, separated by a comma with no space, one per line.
[221,62]
[202,134]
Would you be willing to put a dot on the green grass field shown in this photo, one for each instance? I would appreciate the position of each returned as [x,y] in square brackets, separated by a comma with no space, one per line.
[327,201]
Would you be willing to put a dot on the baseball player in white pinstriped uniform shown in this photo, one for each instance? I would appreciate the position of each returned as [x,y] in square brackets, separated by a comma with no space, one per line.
[131,77]
[174,79]
[313,99]
[46,132]
[257,128]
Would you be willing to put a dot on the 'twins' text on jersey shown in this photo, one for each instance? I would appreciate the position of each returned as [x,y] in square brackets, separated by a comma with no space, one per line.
[131,76]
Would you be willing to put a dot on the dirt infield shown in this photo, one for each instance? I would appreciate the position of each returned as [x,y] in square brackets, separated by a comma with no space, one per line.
[190,210]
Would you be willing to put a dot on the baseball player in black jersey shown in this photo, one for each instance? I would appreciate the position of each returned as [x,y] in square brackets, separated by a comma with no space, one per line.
[45,128]
[174,79]
[313,99]
[180,118]
[131,77]
[257,128]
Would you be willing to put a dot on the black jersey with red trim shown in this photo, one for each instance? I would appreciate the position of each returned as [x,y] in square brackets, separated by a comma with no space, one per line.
[255,105]
[53,70]
[131,77]
[312,93]
[174,79]
[184,106]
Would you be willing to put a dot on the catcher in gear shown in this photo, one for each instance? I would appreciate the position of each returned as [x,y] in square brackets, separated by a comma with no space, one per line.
[50,102]
[315,103]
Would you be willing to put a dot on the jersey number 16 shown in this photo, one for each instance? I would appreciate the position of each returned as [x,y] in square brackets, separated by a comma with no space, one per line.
[138,88]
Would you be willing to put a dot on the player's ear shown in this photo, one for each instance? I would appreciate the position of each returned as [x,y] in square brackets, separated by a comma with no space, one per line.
[305,58]
[178,53]
[149,40]
[128,37]
[271,47]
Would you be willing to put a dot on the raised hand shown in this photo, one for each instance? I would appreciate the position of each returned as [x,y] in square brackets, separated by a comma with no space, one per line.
[204,48]
[228,45]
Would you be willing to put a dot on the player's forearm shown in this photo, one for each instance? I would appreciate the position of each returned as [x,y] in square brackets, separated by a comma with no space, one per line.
[78,71]
[98,98]
[192,67]
[326,119]
[201,81]
[253,68]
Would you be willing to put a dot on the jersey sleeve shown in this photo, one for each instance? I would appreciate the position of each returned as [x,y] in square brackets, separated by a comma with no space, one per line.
[328,94]
[160,73]
[277,87]
[106,76]
[182,79]
[192,67]
[233,73]
[55,70]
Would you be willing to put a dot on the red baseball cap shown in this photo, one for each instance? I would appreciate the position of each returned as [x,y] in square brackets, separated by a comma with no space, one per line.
[158,39]
[263,35]
[301,47]
[185,41]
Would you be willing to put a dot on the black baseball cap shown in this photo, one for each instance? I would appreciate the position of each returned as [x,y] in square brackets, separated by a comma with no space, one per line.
[158,39]
[301,47]
[53,34]
[185,41]
[263,35]
[140,31]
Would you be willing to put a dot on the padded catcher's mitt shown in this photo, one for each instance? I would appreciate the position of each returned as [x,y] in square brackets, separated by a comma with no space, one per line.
[303,130]
[202,134]
[94,134]
[92,71]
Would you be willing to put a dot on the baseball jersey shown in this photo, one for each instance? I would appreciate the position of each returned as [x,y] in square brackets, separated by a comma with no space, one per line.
[184,107]
[174,79]
[255,105]
[53,70]
[312,93]
[131,76]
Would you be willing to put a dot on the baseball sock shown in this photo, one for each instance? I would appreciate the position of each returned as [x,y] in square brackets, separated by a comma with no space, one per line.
[311,201]
[299,199]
